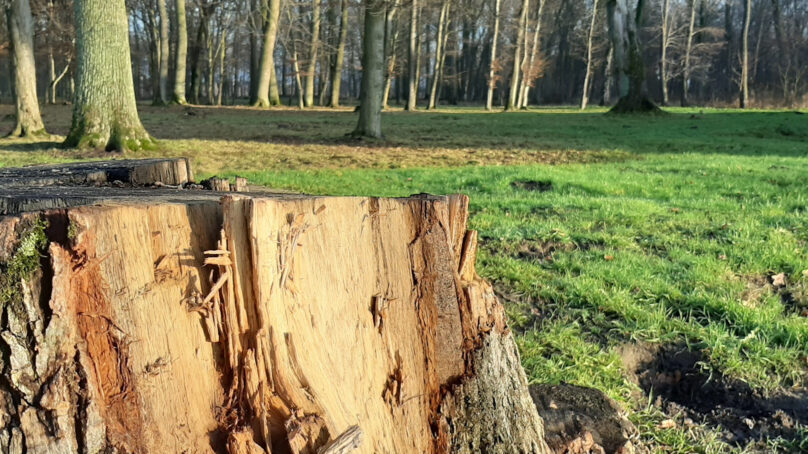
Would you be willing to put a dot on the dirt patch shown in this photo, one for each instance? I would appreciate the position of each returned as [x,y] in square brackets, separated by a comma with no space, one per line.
[578,419]
[681,386]
[542,251]
[533,185]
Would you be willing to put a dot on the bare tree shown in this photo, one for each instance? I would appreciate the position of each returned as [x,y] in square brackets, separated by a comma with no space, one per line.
[492,66]
[588,75]
[20,28]
[744,99]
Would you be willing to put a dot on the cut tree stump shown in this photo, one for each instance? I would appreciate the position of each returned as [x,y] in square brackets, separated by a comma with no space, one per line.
[159,320]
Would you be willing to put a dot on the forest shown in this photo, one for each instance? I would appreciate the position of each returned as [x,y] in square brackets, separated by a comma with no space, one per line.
[404,226]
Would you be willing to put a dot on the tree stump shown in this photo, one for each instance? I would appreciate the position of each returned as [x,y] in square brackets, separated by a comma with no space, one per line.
[163,320]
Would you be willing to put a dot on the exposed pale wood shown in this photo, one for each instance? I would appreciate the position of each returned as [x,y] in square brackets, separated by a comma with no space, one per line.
[250,324]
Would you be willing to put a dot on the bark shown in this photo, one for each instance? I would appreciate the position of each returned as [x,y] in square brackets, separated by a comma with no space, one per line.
[440,53]
[517,56]
[165,37]
[370,100]
[413,59]
[104,111]
[744,98]
[783,53]
[492,66]
[267,65]
[314,45]
[181,54]
[255,324]
[202,32]
[623,30]
[663,60]
[530,69]
[608,77]
[21,30]
[339,58]
[587,76]
[691,29]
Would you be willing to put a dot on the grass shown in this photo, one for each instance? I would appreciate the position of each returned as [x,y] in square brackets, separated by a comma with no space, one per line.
[655,230]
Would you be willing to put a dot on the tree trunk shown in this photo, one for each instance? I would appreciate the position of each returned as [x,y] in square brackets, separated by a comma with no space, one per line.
[165,36]
[267,65]
[253,324]
[440,53]
[517,56]
[21,30]
[181,54]
[691,29]
[412,59]
[747,12]
[104,112]
[314,44]
[663,60]
[531,70]
[370,100]
[783,57]
[608,77]
[196,53]
[587,76]
[339,58]
[390,43]
[492,66]
[623,27]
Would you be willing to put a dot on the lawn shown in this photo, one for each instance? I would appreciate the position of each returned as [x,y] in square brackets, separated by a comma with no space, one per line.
[663,260]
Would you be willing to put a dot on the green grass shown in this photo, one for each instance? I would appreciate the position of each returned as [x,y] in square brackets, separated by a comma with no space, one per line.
[659,230]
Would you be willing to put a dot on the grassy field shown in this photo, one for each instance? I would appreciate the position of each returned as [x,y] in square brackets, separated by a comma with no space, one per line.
[662,260]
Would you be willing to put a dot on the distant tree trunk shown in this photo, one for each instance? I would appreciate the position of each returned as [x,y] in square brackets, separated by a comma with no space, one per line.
[255,23]
[663,60]
[196,54]
[339,57]
[181,54]
[222,57]
[744,100]
[440,53]
[104,112]
[311,72]
[623,29]
[21,30]
[370,101]
[530,70]
[390,42]
[691,29]
[517,56]
[783,57]
[412,57]
[608,78]
[267,65]
[165,36]
[492,65]
[55,82]
[587,76]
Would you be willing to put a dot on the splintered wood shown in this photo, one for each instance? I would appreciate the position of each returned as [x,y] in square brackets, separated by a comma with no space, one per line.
[294,325]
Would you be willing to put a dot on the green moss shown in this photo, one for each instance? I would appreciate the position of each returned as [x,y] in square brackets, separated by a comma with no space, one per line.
[24,261]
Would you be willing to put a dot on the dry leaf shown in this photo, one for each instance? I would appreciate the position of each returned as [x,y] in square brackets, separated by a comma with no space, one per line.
[608,258]
[667,424]
[779,280]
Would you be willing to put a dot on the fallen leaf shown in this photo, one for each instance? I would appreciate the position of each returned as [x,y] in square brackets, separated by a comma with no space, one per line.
[722,257]
[676,210]
[779,280]
[608,258]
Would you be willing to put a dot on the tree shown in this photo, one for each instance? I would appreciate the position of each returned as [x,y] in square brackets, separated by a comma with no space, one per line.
[272,9]
[747,12]
[181,53]
[688,50]
[587,76]
[440,53]
[373,63]
[20,27]
[517,56]
[628,61]
[663,59]
[165,37]
[314,42]
[492,66]
[531,69]
[413,57]
[104,110]
[339,56]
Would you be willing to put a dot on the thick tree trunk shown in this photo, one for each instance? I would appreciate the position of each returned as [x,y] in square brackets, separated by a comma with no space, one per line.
[181,54]
[747,12]
[165,37]
[267,65]
[21,30]
[691,29]
[196,52]
[413,59]
[253,325]
[104,112]
[493,64]
[339,57]
[370,100]
[517,56]
[440,53]
[623,30]
[588,75]
[314,46]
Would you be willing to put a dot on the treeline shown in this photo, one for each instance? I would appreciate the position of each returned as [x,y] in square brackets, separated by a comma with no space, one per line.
[507,53]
